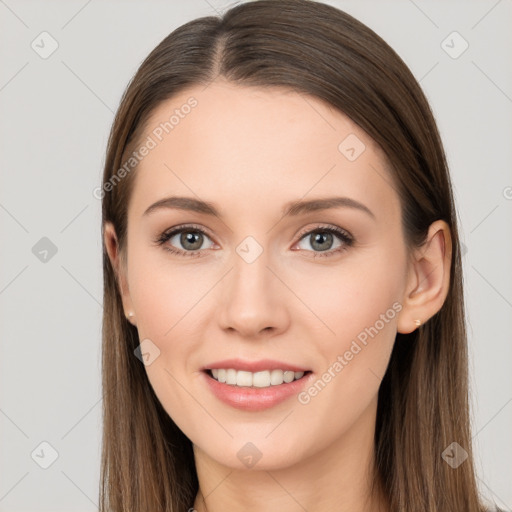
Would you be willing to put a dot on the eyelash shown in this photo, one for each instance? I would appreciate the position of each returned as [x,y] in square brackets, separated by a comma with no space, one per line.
[343,235]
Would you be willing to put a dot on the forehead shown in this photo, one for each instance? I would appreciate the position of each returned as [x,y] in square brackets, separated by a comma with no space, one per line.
[227,142]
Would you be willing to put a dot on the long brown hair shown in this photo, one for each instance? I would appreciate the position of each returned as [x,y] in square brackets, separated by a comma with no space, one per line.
[312,48]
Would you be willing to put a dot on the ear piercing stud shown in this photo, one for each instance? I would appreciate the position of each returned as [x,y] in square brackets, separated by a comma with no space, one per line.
[417,322]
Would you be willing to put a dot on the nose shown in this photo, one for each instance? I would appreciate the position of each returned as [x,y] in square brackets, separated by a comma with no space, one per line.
[253,299]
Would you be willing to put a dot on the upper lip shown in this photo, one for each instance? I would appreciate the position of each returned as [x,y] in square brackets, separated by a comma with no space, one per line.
[254,366]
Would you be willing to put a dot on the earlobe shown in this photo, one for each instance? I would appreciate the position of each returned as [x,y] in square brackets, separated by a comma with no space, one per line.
[428,280]
[131,318]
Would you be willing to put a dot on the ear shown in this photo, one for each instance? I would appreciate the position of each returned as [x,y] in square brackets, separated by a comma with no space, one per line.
[119,266]
[428,278]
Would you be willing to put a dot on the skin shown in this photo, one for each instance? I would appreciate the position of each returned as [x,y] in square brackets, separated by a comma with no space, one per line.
[249,151]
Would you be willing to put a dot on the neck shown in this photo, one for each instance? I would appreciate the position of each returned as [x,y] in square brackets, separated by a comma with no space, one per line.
[337,478]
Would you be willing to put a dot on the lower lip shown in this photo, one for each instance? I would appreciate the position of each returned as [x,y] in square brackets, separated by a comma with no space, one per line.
[255,399]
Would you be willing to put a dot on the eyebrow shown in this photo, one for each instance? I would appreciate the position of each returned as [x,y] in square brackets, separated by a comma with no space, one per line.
[293,208]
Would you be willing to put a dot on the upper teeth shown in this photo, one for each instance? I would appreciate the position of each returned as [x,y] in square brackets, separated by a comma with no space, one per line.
[257,379]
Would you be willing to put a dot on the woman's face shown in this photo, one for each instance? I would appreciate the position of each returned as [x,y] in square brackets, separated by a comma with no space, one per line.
[261,283]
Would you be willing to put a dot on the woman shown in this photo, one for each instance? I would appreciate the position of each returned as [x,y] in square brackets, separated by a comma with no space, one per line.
[311,354]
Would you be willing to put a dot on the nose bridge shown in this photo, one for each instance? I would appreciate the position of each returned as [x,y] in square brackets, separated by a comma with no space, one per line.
[250,273]
[252,302]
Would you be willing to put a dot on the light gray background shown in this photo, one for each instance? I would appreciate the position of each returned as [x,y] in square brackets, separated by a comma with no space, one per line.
[55,117]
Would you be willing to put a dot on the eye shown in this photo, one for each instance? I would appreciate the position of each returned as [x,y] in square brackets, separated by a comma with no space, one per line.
[322,239]
[191,239]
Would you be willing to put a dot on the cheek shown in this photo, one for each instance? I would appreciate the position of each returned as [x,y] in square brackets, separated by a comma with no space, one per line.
[361,309]
[165,295]
[168,305]
[356,306]
[345,299]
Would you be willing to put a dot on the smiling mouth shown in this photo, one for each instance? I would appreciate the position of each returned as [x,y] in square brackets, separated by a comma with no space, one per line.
[262,379]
